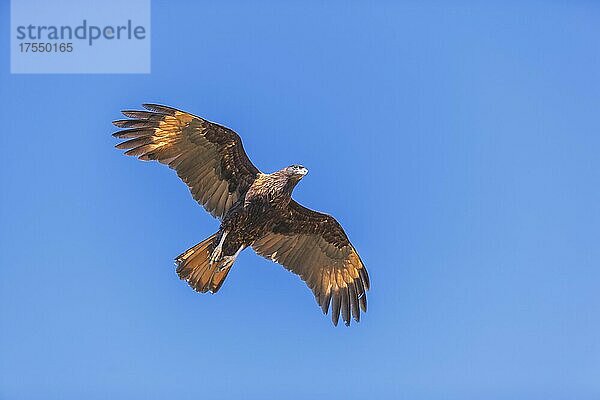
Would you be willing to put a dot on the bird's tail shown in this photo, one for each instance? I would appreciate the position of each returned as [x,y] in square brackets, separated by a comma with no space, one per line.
[195,267]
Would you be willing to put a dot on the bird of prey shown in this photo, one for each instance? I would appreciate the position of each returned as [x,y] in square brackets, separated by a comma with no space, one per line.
[255,210]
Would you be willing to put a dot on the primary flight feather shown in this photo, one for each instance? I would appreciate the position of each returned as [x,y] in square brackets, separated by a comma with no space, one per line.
[255,209]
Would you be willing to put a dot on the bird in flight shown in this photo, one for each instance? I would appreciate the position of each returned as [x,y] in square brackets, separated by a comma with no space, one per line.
[255,210]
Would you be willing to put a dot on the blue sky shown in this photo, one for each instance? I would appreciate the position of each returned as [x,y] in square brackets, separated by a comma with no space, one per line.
[457,144]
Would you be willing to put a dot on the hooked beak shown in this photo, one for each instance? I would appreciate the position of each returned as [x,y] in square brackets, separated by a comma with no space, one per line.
[303,172]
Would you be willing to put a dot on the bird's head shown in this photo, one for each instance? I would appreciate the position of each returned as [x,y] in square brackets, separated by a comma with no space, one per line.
[295,171]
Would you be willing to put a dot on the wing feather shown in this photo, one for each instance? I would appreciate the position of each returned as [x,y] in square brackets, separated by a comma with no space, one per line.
[315,247]
[208,157]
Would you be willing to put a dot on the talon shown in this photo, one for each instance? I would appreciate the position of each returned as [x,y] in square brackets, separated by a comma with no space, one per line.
[216,254]
[226,262]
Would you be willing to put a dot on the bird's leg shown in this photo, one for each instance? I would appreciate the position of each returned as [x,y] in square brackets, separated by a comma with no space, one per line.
[227,261]
[216,254]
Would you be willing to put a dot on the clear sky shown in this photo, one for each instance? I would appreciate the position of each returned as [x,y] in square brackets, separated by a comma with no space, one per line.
[457,144]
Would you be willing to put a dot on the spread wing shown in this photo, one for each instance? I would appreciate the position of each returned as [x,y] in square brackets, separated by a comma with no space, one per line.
[208,157]
[315,247]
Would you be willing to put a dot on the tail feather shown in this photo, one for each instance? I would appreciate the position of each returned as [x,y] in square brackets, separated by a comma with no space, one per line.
[194,266]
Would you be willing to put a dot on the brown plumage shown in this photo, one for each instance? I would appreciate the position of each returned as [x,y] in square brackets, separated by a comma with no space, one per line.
[255,209]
